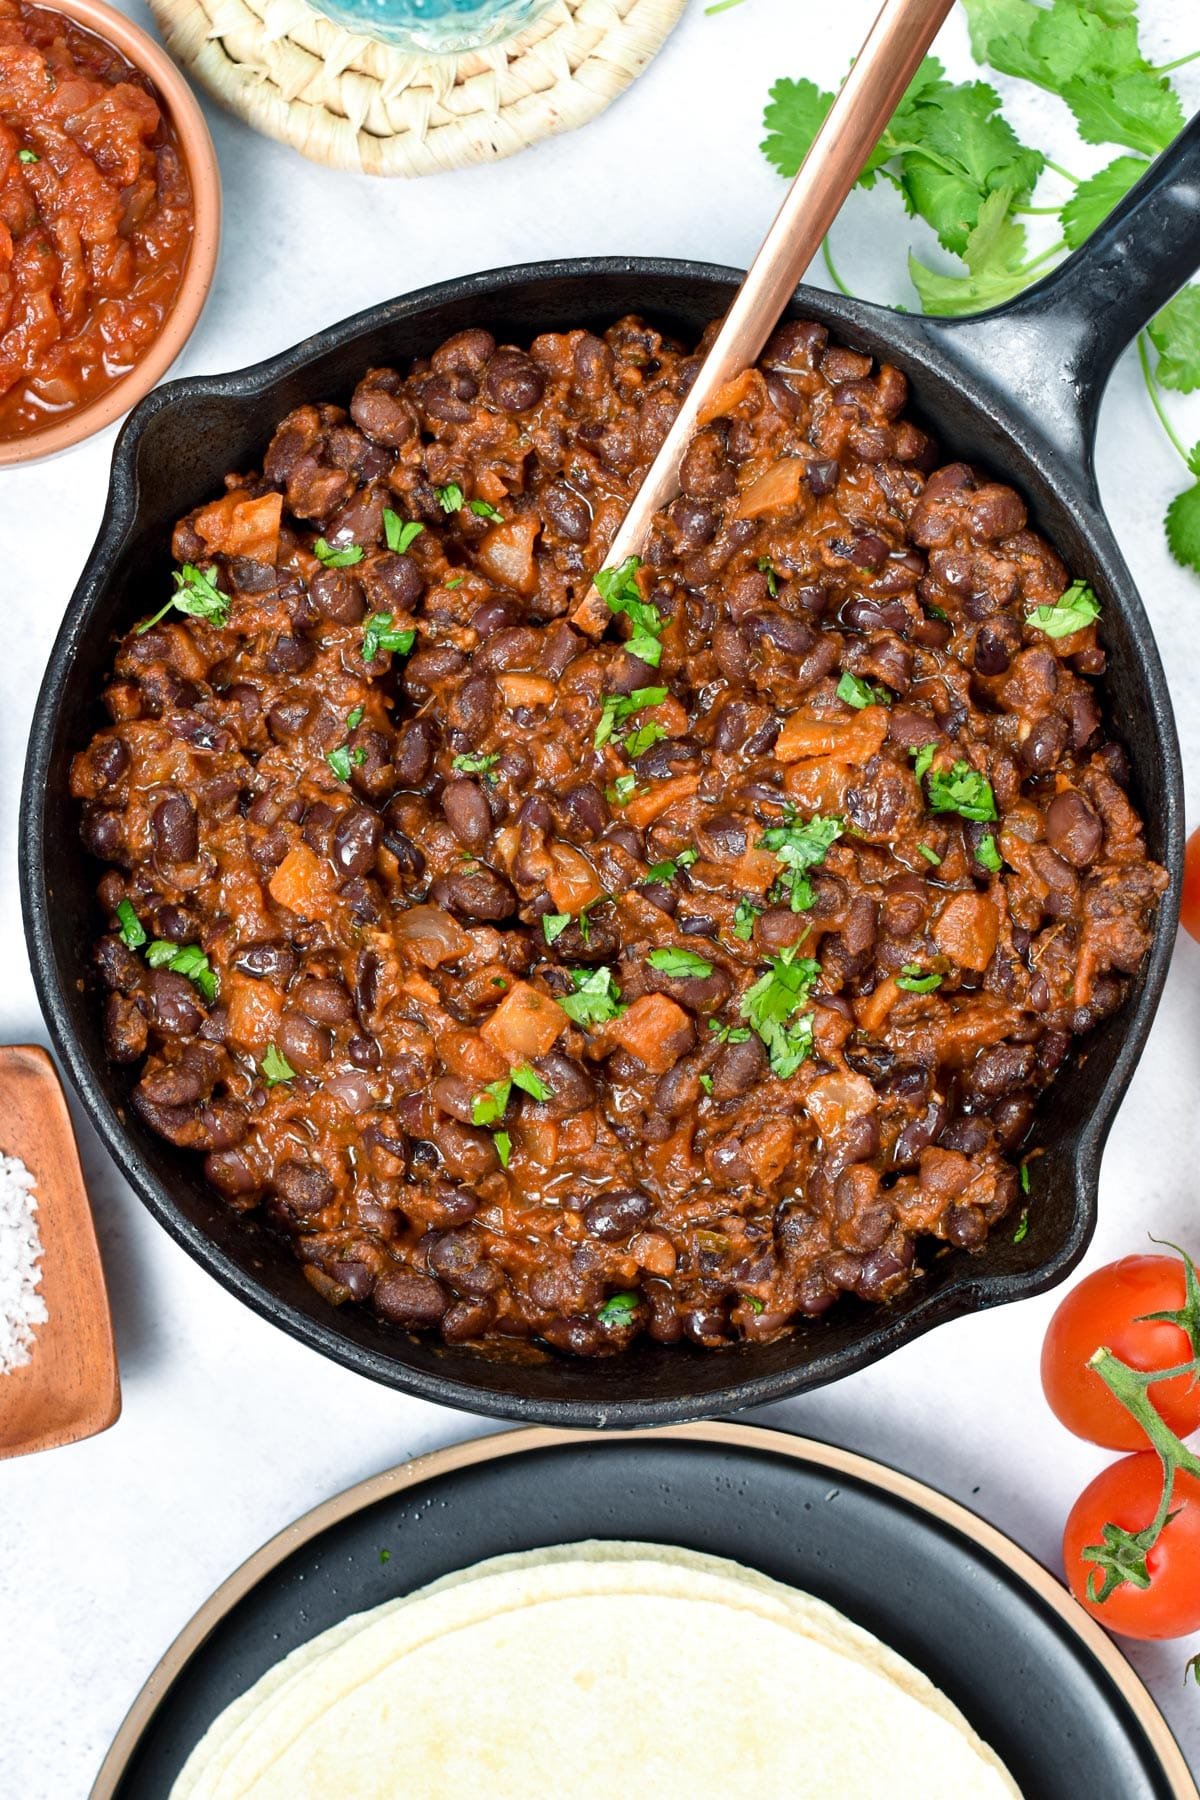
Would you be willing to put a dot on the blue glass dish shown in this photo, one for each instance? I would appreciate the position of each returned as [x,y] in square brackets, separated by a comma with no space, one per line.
[437,26]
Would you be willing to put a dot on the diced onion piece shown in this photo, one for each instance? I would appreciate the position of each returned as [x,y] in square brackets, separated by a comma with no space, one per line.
[235,525]
[851,740]
[966,931]
[525,1025]
[506,553]
[835,1099]
[643,809]
[429,936]
[303,883]
[572,882]
[526,690]
[777,489]
[655,1029]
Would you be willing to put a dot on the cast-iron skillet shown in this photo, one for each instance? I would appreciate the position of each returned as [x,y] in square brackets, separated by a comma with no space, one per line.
[1017,389]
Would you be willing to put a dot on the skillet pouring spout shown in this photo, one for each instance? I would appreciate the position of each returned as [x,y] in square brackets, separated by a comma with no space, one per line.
[173,454]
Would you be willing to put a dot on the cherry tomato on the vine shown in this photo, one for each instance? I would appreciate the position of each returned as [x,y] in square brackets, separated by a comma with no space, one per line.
[1127,1494]
[1109,1308]
[1189,906]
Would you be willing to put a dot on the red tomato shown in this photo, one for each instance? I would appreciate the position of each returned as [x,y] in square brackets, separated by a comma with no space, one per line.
[1127,1494]
[1106,1308]
[1189,906]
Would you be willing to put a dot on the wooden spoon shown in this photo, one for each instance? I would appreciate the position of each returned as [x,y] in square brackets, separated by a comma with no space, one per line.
[872,90]
[69,1388]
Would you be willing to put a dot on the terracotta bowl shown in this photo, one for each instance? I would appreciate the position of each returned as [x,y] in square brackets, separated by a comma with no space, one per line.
[196,147]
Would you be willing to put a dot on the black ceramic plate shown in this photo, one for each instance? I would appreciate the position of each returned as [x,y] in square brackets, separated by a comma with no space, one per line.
[1038,1680]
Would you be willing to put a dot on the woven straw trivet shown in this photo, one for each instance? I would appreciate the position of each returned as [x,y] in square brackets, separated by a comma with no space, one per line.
[356,103]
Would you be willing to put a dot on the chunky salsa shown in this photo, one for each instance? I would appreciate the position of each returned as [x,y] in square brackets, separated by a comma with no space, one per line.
[545,990]
[95,217]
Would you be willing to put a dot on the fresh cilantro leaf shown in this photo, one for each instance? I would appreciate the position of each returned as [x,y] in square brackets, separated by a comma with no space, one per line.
[1073,611]
[795,115]
[961,790]
[799,847]
[596,998]
[964,152]
[621,791]
[196,594]
[615,707]
[744,915]
[914,980]
[553,925]
[133,932]
[987,854]
[679,962]
[337,559]
[490,1105]
[450,497]
[1025,1182]
[618,1312]
[931,856]
[275,1067]
[378,634]
[772,1007]
[856,692]
[729,1034]
[641,739]
[475,762]
[1022,1231]
[706,1082]
[753,1302]
[1175,334]
[530,1082]
[503,1145]
[994,254]
[1095,198]
[1183,527]
[339,761]
[188,960]
[354,718]
[399,533]
[768,569]
[28,156]
[483,510]
[924,756]
[619,590]
[1139,109]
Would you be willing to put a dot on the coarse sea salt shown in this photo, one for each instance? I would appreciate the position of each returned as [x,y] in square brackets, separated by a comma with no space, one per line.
[21,1306]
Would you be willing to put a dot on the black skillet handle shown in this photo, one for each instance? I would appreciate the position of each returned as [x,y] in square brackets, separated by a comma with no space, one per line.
[1053,348]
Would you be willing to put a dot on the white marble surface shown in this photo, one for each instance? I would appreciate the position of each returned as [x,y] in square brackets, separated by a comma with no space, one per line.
[229,1429]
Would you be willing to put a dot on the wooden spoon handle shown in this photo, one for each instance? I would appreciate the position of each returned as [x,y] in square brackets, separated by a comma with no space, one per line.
[872,90]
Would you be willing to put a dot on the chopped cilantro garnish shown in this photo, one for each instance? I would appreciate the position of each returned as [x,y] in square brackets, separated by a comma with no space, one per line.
[490,1105]
[385,1556]
[676,962]
[800,846]
[1022,1231]
[185,959]
[596,998]
[771,1007]
[643,737]
[914,980]
[931,856]
[753,1302]
[768,569]
[859,693]
[744,915]
[621,791]
[28,156]
[620,592]
[337,559]
[729,1034]
[615,707]
[924,757]
[1025,1183]
[662,872]
[503,1145]
[133,932]
[196,594]
[378,635]
[483,510]
[354,718]
[987,854]
[475,762]
[1072,611]
[399,533]
[450,497]
[706,1082]
[553,925]
[618,1311]
[455,581]
[339,761]
[962,790]
[276,1068]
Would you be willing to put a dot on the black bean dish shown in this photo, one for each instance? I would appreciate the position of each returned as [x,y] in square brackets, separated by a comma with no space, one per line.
[546,989]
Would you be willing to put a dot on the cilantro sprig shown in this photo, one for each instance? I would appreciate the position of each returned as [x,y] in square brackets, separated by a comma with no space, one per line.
[800,845]
[1073,611]
[774,1008]
[616,707]
[619,590]
[196,594]
[185,959]
[379,633]
[677,962]
[596,999]
[957,164]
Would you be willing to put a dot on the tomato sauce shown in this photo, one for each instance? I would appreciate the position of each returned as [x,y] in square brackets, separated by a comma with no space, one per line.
[96,217]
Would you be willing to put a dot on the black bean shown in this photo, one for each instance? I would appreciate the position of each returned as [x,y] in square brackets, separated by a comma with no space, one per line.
[364,1052]
[338,596]
[230,1173]
[1045,743]
[571,1088]
[617,1214]
[513,382]
[477,893]
[304,1187]
[290,655]
[992,652]
[427,667]
[821,475]
[174,1084]
[393,583]
[108,759]
[324,1001]
[583,812]
[356,839]
[408,1299]
[267,962]
[173,1006]
[568,512]
[738,1068]
[457,1258]
[413,756]
[409,860]
[287,718]
[126,1030]
[1073,828]
[305,1044]
[103,833]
